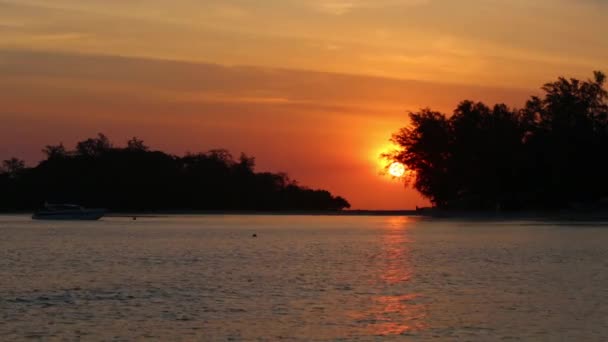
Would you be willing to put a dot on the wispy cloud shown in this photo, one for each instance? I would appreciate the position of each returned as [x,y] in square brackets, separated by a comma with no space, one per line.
[501,42]
[340,7]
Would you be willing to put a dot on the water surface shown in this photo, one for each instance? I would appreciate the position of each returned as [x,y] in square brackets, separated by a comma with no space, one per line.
[303,278]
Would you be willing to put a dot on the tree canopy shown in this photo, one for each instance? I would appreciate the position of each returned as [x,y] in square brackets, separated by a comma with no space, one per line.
[550,154]
[134,178]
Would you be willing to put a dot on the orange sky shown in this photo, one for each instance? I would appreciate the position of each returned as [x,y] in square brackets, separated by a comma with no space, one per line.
[311,87]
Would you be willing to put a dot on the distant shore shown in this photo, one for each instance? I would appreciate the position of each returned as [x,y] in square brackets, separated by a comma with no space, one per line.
[563,215]
[276,213]
[161,213]
[557,215]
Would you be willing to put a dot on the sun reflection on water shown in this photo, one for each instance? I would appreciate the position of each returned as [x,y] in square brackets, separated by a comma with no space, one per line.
[395,262]
[395,308]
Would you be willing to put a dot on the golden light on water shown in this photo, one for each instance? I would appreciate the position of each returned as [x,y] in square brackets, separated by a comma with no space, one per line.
[396,169]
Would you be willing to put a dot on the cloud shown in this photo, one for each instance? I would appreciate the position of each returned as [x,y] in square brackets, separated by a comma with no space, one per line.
[133,82]
[339,7]
[495,42]
[67,36]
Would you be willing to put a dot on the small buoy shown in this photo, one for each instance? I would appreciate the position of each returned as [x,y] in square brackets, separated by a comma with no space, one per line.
[134,218]
[254,235]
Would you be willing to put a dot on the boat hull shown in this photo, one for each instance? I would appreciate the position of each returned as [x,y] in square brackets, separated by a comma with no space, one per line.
[75,215]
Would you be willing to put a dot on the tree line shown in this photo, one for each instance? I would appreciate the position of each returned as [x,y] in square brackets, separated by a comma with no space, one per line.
[550,154]
[135,178]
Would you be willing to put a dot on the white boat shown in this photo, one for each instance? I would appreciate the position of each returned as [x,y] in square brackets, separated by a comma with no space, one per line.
[68,212]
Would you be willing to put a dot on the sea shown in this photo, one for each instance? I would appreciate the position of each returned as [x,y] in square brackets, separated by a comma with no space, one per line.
[302,278]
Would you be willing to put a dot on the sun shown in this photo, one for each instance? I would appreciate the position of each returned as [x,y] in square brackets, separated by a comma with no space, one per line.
[396,169]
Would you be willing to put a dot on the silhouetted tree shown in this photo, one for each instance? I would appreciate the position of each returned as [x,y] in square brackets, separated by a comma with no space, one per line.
[13,167]
[94,147]
[136,145]
[246,164]
[425,149]
[547,155]
[55,151]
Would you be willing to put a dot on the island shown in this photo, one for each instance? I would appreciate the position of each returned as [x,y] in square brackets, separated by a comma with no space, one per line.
[134,178]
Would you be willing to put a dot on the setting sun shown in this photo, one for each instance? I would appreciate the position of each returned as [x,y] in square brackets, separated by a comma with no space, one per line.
[396,169]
